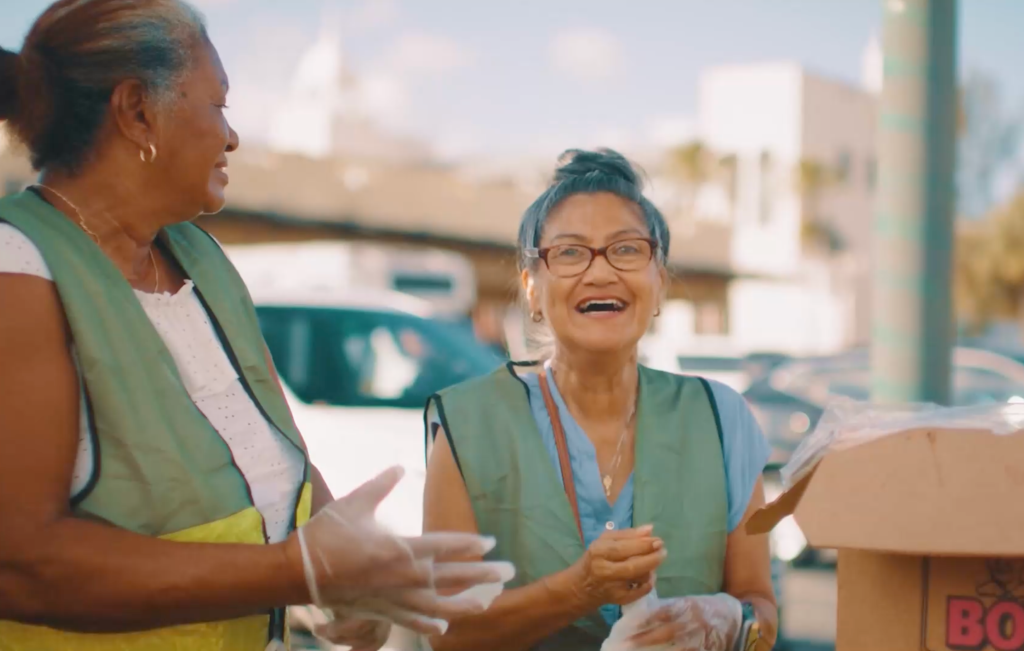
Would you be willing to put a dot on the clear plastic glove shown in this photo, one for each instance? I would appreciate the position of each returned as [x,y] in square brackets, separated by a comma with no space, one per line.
[358,569]
[697,623]
[358,634]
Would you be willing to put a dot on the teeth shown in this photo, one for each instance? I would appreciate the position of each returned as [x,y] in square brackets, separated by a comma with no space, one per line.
[608,304]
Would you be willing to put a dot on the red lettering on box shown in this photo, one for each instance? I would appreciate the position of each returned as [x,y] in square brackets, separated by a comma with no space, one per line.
[1004,625]
[965,624]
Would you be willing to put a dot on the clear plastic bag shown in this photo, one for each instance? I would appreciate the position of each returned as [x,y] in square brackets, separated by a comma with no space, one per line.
[633,617]
[709,622]
[847,423]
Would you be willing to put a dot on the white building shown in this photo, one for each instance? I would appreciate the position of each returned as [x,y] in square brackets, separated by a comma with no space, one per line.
[771,117]
[329,112]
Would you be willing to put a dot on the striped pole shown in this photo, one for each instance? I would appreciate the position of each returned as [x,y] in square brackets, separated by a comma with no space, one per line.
[912,315]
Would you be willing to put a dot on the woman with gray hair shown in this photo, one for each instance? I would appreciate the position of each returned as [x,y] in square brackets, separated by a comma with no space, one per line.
[603,481]
[157,494]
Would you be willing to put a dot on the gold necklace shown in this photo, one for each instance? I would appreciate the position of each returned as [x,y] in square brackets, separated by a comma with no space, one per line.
[96,238]
[606,479]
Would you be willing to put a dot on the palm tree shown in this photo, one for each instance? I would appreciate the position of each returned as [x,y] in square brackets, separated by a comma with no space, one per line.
[692,164]
[988,272]
[813,178]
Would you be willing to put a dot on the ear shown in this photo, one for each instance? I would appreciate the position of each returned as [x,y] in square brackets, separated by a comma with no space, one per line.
[665,280]
[134,114]
[529,289]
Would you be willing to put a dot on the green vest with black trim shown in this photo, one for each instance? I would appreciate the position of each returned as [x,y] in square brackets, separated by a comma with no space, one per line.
[161,469]
[517,496]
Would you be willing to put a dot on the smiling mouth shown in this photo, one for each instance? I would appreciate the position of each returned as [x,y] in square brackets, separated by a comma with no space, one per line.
[601,305]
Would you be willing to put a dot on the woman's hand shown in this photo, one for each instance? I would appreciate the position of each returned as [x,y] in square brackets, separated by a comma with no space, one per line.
[618,568]
[335,629]
[358,634]
[354,566]
[698,623]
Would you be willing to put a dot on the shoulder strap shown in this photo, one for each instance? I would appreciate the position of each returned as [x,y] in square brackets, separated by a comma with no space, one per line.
[563,450]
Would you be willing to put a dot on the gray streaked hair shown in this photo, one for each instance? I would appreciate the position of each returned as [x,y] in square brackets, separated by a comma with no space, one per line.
[56,91]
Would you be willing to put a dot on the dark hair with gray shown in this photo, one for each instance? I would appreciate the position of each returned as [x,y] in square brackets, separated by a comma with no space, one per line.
[587,172]
[55,93]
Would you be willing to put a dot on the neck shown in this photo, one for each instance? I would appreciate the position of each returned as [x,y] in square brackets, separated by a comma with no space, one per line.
[597,387]
[123,221]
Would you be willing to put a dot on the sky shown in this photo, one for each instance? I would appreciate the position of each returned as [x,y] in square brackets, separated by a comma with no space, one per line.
[520,77]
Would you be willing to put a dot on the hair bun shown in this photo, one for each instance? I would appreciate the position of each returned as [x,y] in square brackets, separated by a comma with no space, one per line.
[8,84]
[578,163]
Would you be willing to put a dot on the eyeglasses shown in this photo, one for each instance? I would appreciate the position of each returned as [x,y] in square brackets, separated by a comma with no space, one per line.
[568,260]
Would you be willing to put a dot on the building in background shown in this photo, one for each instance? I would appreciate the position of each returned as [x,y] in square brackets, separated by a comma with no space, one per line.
[801,149]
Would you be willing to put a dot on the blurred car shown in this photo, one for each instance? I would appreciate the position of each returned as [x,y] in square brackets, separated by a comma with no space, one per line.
[789,401]
[357,368]
[731,371]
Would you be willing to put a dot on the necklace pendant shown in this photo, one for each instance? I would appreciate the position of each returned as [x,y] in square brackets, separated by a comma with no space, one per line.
[607,481]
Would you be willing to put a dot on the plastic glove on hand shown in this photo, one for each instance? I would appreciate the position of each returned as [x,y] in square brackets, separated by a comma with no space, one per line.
[697,623]
[357,634]
[357,568]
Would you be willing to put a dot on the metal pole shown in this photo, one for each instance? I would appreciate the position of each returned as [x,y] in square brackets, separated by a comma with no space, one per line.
[912,313]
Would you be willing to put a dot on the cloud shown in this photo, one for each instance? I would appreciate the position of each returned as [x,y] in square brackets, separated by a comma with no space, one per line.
[421,53]
[587,53]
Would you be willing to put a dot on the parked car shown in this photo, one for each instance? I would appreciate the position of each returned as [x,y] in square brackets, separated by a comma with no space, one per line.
[789,401]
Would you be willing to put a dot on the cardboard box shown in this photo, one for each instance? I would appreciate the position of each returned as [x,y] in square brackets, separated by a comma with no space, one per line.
[929,525]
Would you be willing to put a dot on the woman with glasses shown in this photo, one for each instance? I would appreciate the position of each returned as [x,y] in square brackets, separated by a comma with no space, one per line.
[602,480]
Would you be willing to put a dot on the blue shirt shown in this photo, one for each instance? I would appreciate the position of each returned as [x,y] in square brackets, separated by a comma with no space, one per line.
[744,450]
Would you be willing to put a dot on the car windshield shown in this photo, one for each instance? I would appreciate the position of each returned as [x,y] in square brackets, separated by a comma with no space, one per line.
[364,358]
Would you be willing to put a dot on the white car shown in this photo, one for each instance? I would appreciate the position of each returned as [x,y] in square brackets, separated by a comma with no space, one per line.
[357,367]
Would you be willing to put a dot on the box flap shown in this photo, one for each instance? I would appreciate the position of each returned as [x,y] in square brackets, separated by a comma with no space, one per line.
[930,492]
[765,518]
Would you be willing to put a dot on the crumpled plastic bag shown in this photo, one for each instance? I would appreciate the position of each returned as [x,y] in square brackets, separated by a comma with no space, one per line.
[705,622]
[847,423]
[633,617]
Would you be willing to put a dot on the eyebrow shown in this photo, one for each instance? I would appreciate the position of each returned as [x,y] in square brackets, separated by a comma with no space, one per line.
[570,236]
[629,231]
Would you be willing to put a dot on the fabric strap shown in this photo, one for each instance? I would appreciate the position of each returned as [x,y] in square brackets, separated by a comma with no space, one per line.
[562,445]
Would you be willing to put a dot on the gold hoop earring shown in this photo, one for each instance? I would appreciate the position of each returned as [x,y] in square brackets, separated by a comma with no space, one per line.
[152,154]
[536,317]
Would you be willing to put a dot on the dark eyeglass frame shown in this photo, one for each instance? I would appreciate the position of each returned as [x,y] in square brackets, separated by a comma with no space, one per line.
[542,254]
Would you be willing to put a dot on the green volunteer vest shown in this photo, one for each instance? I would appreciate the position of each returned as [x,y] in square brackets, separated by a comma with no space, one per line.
[161,469]
[517,497]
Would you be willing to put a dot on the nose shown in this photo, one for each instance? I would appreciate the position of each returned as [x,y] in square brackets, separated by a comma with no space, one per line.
[233,140]
[600,272]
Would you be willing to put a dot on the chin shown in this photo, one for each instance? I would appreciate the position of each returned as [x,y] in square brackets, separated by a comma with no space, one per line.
[213,202]
[605,345]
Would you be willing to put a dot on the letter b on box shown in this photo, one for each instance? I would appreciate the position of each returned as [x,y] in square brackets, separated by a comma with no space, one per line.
[965,623]
[970,626]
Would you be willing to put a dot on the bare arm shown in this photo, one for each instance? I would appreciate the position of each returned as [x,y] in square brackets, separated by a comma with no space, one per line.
[72,574]
[518,618]
[748,575]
